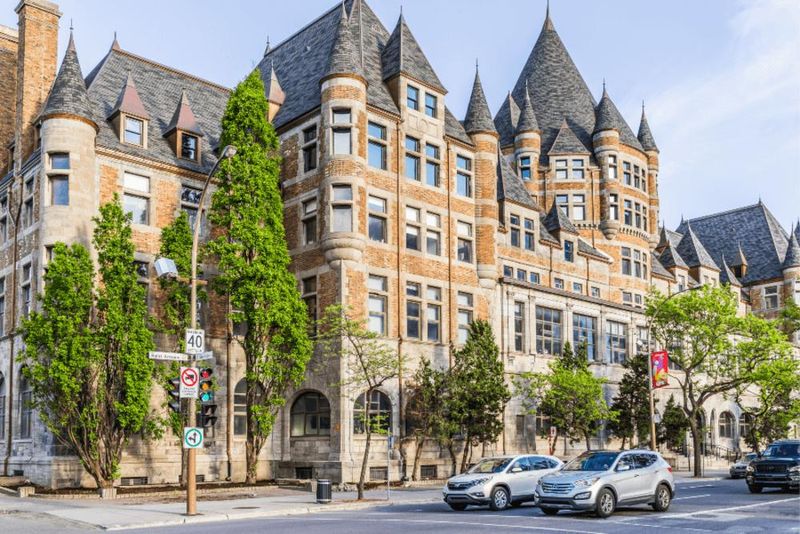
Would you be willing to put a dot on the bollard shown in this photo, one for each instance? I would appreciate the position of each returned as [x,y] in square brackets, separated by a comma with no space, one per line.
[323,491]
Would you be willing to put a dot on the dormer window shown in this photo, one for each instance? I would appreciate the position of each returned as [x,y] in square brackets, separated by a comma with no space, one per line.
[189,144]
[133,132]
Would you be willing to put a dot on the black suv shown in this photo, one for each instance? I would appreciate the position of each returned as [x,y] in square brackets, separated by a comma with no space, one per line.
[776,467]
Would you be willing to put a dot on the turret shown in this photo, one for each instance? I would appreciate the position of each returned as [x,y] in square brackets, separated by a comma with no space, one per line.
[343,112]
[791,267]
[645,137]
[68,132]
[528,144]
[479,125]
[606,143]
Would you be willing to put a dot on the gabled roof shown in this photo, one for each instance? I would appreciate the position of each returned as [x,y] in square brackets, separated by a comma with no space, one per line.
[762,239]
[726,275]
[567,142]
[527,117]
[402,54]
[645,136]
[608,117]
[478,118]
[129,101]
[557,90]
[740,258]
[183,119]
[160,89]
[345,56]
[670,258]
[693,252]
[792,258]
[454,128]
[544,234]
[557,220]
[589,250]
[657,269]
[510,186]
[68,95]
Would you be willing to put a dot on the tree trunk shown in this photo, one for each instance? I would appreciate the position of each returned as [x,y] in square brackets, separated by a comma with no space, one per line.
[364,461]
[452,459]
[251,458]
[697,439]
[623,442]
[588,441]
[417,454]
[467,447]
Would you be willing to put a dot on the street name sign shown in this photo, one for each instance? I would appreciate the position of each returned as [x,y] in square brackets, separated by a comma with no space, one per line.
[195,341]
[192,437]
[172,356]
[189,382]
[207,355]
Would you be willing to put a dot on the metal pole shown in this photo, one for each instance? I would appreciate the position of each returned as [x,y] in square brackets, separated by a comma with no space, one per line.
[191,482]
[653,444]
[388,467]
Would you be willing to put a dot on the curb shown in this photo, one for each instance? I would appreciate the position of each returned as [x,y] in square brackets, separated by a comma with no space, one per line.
[214,517]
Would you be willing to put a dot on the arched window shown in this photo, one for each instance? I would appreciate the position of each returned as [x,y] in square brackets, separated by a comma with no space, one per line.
[311,415]
[3,407]
[25,407]
[240,408]
[727,423]
[380,413]
[745,425]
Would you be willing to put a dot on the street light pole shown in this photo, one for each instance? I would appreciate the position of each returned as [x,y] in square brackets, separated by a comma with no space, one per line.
[191,462]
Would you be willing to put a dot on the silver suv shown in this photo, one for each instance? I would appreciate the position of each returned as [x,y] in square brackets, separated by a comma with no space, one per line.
[500,481]
[602,480]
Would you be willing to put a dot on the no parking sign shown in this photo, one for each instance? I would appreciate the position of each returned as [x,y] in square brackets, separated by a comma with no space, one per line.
[189,382]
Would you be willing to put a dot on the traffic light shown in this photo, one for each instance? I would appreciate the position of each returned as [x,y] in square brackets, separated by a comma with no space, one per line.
[207,415]
[206,385]
[175,394]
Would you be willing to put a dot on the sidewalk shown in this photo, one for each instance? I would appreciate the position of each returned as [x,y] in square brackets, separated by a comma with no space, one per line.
[114,515]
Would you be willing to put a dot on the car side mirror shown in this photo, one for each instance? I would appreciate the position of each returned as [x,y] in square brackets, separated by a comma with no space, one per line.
[623,466]
[516,470]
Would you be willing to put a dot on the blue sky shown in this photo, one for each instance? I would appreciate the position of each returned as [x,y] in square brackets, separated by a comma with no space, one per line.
[721,78]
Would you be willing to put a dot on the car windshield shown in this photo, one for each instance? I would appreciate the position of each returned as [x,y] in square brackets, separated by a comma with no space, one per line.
[782,450]
[750,457]
[490,465]
[592,461]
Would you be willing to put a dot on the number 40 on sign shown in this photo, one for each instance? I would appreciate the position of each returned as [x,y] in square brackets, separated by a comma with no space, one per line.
[195,341]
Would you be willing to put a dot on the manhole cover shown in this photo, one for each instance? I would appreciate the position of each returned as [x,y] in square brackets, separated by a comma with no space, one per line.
[245,507]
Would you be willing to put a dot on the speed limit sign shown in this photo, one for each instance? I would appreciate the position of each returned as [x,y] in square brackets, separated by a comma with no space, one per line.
[195,341]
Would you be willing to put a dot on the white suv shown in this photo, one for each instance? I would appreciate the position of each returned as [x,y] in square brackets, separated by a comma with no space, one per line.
[500,481]
[601,480]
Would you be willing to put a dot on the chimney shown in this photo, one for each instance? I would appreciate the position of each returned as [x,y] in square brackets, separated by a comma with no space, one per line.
[8,93]
[36,69]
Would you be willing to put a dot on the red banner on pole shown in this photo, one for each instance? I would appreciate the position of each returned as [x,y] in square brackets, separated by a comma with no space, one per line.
[659,369]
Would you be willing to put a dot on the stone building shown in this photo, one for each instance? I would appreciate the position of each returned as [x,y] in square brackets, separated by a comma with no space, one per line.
[542,219]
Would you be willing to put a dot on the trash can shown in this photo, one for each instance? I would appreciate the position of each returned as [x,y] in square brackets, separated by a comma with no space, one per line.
[323,491]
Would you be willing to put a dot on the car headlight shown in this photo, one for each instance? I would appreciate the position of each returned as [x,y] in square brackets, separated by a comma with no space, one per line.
[478,482]
[795,469]
[750,469]
[585,482]
[539,482]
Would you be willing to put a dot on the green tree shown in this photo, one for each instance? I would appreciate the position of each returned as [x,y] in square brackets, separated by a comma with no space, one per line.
[87,348]
[478,390]
[425,413]
[673,425]
[367,363]
[713,350]
[632,402]
[570,395]
[253,262]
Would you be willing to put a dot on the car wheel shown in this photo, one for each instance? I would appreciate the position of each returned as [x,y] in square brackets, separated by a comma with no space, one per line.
[549,511]
[499,499]
[663,498]
[605,503]
[458,507]
[754,488]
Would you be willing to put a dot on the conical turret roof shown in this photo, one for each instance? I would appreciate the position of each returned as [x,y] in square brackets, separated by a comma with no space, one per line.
[129,101]
[184,118]
[792,258]
[345,56]
[692,250]
[567,142]
[478,118]
[272,88]
[402,54]
[527,117]
[645,136]
[68,95]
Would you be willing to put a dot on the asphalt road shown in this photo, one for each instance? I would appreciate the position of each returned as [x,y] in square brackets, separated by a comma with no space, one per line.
[708,506]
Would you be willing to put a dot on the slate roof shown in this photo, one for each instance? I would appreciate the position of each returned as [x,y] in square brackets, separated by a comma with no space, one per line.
[184,119]
[527,117]
[589,250]
[478,117]
[556,219]
[657,269]
[693,252]
[345,55]
[645,136]
[567,142]
[544,234]
[68,94]
[740,258]
[792,258]
[726,275]
[160,89]
[762,239]
[510,186]
[129,101]
[608,116]
[402,54]
[670,258]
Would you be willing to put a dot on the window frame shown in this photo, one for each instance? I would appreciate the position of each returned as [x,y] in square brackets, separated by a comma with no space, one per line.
[549,331]
[464,174]
[616,342]
[343,205]
[339,128]
[128,191]
[380,143]
[465,241]
[378,294]
[299,409]
[412,102]
[309,148]
[124,130]
[465,309]
[379,216]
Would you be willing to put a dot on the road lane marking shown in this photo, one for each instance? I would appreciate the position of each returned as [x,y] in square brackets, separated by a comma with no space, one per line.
[730,508]
[691,497]
[670,527]
[467,523]
[703,486]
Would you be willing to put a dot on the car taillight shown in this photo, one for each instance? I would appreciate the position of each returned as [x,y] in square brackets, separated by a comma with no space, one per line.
[669,469]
